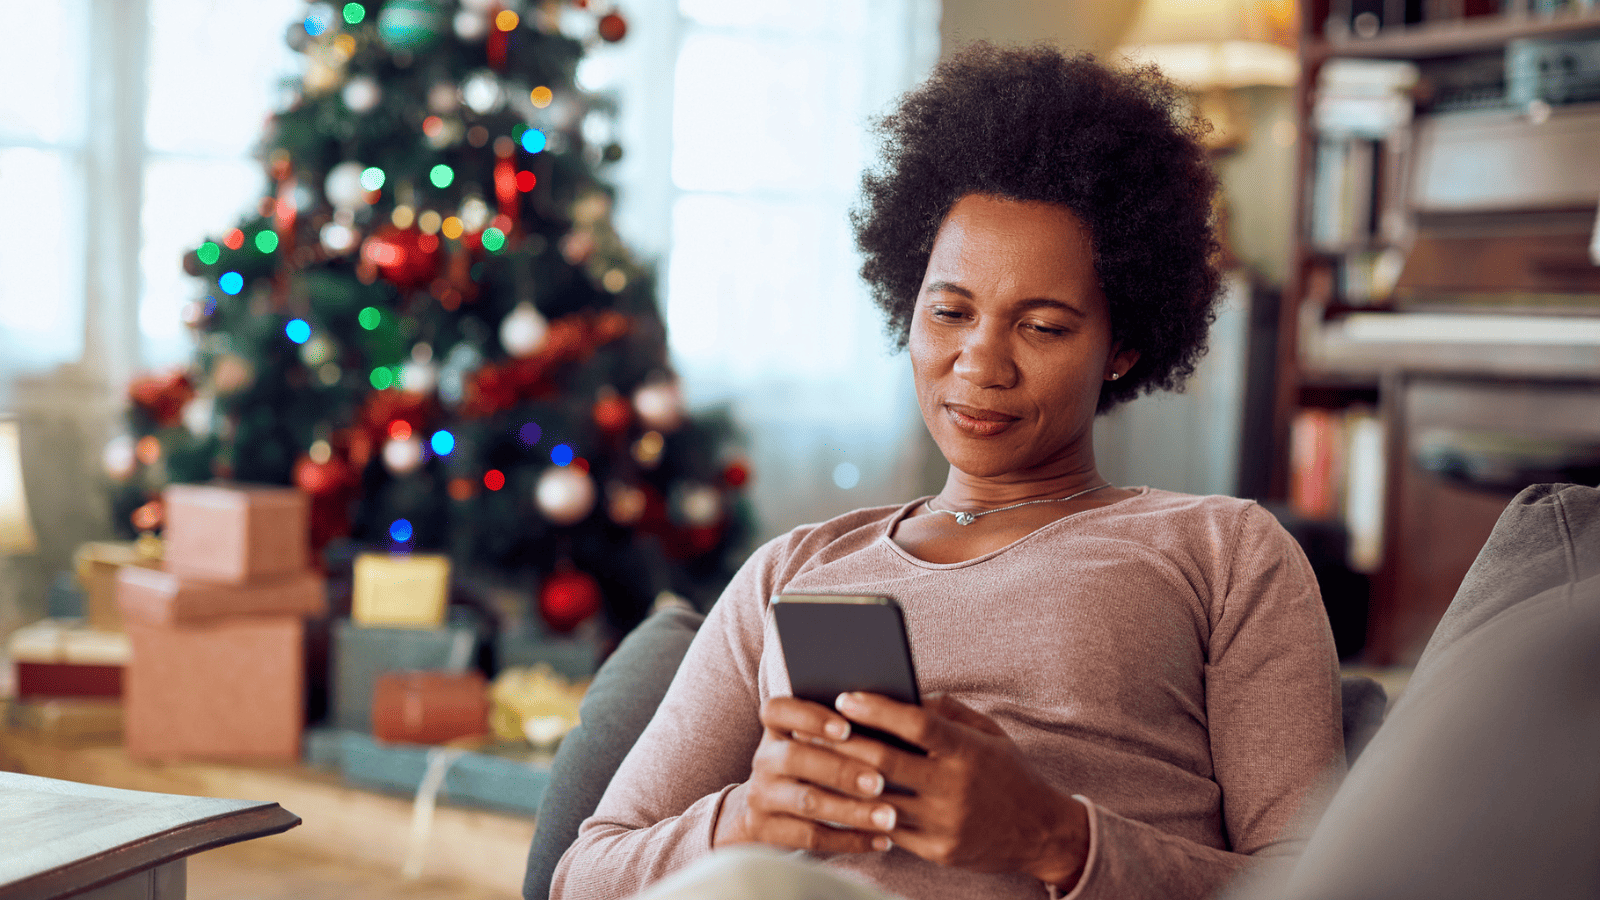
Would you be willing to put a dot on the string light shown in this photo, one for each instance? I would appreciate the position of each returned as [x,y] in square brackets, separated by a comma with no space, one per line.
[209,253]
[429,221]
[316,23]
[266,241]
[231,283]
[234,240]
[403,216]
[494,479]
[541,96]
[354,13]
[443,442]
[369,318]
[298,330]
[561,454]
[399,430]
[506,20]
[432,125]
[372,178]
[400,530]
[533,140]
[493,239]
[526,180]
[452,228]
[441,175]
[381,378]
[529,434]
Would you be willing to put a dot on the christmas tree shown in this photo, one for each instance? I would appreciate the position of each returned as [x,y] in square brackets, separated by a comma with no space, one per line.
[431,327]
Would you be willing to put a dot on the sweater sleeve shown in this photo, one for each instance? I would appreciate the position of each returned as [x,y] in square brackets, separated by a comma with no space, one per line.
[659,811]
[1272,710]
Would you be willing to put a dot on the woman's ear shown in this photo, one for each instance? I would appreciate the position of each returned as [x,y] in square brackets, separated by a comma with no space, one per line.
[1121,361]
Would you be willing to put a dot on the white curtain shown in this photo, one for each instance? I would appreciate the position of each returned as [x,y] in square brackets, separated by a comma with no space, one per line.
[743,191]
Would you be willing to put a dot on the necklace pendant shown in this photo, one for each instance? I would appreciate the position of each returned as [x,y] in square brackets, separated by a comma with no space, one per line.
[964,518]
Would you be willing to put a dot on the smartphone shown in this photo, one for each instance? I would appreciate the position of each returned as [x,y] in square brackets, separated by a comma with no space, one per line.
[833,644]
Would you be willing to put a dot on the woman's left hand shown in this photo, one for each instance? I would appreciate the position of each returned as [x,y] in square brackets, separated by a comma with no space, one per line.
[976,802]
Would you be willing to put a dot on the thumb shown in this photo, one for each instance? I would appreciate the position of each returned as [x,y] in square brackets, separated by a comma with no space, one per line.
[956,711]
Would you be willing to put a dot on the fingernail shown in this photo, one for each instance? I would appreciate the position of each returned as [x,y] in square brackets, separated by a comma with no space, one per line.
[871,785]
[883,817]
[838,729]
[882,842]
[847,702]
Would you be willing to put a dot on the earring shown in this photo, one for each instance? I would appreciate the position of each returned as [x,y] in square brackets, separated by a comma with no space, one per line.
[1115,375]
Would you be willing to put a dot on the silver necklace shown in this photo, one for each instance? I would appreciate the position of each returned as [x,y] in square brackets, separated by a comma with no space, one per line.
[967,518]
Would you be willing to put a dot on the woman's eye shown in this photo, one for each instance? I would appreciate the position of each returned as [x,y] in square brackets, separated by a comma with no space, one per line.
[1048,330]
[947,315]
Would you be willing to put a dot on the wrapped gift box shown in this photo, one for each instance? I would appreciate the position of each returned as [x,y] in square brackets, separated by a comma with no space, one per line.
[62,658]
[97,564]
[510,778]
[574,656]
[229,689]
[162,597]
[408,591]
[430,707]
[361,654]
[236,533]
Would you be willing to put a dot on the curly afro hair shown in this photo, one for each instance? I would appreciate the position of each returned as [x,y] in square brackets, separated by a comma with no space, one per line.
[1033,124]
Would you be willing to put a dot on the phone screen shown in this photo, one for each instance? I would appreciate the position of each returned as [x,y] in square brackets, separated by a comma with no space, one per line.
[833,644]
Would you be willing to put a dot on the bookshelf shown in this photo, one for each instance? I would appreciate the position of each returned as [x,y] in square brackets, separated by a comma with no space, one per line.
[1439,337]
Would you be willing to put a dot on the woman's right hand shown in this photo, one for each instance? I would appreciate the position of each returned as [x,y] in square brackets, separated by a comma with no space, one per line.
[802,793]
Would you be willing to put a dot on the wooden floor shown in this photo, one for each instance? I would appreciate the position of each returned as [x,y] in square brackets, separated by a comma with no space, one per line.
[351,845]
[262,870]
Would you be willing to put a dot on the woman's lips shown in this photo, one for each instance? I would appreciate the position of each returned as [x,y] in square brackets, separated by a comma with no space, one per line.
[980,422]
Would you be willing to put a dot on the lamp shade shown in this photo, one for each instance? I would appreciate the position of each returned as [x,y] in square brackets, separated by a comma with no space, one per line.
[1203,44]
[16,531]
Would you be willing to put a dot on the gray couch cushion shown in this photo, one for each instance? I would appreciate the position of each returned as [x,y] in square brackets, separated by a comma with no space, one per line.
[1549,535]
[618,705]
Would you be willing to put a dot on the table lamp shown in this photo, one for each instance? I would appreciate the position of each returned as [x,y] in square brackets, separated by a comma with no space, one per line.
[16,531]
[1210,47]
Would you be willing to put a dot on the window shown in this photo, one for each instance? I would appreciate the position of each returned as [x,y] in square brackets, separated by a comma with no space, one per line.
[763,151]
[130,141]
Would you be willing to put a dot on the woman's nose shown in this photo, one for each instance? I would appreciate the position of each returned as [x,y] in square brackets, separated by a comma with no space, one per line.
[985,359]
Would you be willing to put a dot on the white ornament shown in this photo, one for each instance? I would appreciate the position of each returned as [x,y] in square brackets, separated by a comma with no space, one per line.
[659,405]
[317,351]
[700,505]
[402,457]
[474,214]
[564,494]
[482,93]
[419,378]
[471,26]
[343,185]
[361,94]
[118,457]
[199,414]
[339,239]
[461,361]
[523,330]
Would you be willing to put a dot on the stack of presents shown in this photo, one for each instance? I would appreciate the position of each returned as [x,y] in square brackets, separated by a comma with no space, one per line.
[196,647]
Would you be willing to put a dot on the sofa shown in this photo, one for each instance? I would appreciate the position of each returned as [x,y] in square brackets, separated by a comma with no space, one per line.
[1482,780]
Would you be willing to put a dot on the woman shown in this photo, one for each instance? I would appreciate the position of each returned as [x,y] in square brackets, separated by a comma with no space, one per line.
[1130,692]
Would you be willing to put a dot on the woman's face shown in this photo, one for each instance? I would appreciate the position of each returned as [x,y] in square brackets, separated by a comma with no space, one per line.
[1011,339]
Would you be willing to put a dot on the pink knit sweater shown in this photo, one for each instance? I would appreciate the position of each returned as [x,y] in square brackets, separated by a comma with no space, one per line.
[1166,657]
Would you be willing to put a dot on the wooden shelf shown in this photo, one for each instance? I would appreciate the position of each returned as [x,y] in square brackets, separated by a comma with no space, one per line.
[1484,33]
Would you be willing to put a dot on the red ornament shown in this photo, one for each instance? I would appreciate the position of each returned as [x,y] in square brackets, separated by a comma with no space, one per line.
[324,479]
[162,397]
[568,597]
[736,474]
[613,27]
[613,414]
[405,257]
